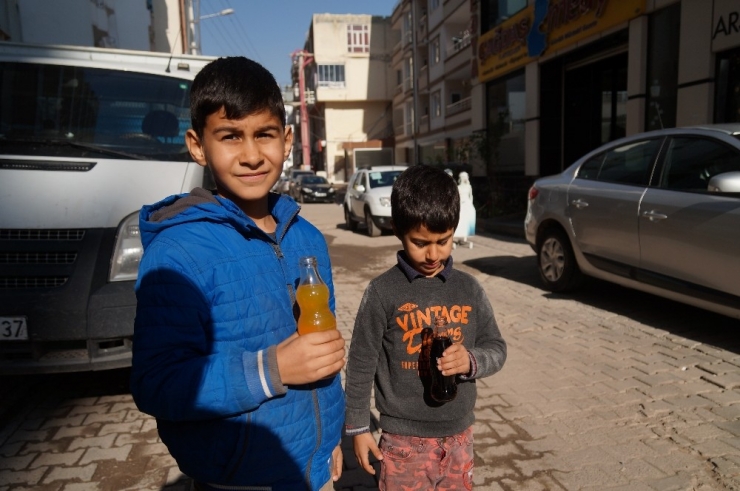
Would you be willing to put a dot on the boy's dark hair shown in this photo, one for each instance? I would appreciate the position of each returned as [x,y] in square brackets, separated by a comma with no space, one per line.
[424,195]
[240,85]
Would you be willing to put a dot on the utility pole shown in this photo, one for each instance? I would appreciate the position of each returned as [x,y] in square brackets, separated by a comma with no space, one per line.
[304,58]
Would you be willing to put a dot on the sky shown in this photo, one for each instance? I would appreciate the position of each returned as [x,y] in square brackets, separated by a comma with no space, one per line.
[268,31]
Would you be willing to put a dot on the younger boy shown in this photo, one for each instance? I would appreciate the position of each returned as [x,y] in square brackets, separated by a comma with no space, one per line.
[241,401]
[424,444]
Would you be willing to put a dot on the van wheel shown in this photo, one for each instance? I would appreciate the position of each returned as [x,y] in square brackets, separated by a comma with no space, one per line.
[557,263]
[372,229]
[351,224]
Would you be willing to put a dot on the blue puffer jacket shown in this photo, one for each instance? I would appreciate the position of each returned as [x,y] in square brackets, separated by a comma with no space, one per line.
[215,296]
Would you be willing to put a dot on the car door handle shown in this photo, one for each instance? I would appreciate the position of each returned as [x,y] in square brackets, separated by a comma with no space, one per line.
[654,216]
[579,203]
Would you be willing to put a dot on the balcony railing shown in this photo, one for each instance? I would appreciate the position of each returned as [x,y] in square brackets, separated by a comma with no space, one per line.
[408,38]
[424,124]
[423,77]
[421,30]
[458,107]
[459,43]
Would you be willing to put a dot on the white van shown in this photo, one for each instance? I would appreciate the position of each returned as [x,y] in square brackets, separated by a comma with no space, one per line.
[87,136]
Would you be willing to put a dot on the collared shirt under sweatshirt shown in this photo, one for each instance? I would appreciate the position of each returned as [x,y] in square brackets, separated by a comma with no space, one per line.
[393,326]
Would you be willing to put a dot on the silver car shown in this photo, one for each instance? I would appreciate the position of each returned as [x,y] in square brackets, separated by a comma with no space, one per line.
[368,198]
[658,212]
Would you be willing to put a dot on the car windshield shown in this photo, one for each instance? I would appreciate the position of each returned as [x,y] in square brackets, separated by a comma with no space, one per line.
[383,178]
[90,112]
[313,180]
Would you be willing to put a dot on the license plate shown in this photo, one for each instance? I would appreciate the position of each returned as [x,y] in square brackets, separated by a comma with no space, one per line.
[13,329]
[320,194]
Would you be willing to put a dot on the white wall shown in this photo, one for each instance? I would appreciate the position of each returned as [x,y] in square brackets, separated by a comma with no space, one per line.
[125,22]
[132,23]
[56,22]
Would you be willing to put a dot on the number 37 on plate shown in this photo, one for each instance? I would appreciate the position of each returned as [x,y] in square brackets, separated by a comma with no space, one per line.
[13,329]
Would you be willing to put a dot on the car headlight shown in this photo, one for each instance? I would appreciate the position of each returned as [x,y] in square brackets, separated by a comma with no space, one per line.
[385,201]
[307,191]
[128,250]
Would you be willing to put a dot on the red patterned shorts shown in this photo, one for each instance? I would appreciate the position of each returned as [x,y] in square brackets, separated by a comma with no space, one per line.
[411,463]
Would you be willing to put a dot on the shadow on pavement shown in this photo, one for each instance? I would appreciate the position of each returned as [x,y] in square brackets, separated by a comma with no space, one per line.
[674,317]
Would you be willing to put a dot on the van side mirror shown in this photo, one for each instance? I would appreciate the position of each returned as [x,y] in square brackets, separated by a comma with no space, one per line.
[360,188]
[727,182]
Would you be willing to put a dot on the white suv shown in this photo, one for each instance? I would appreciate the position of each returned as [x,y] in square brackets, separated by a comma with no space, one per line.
[368,198]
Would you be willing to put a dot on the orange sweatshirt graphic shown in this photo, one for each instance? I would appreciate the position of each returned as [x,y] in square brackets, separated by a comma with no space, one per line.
[417,326]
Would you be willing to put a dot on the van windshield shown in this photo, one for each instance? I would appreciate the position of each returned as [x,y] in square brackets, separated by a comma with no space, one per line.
[69,111]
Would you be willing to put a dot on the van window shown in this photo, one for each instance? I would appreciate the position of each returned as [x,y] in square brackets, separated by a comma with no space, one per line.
[80,110]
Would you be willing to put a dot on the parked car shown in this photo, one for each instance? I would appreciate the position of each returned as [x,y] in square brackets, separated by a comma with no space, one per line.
[368,198]
[282,185]
[313,188]
[658,212]
[293,175]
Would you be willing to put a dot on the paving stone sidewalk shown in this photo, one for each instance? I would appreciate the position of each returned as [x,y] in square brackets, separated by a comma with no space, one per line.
[591,399]
[600,392]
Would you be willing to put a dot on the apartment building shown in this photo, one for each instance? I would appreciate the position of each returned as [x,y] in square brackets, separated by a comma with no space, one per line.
[348,87]
[522,88]
[438,105]
[153,25]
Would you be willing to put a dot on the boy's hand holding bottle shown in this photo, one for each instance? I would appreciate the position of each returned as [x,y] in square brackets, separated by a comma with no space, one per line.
[316,351]
[454,360]
[311,357]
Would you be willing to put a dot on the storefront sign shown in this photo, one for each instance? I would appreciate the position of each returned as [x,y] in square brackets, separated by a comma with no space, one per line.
[546,26]
[726,25]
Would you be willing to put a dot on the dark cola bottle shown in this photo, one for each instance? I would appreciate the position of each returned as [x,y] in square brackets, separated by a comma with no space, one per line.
[444,388]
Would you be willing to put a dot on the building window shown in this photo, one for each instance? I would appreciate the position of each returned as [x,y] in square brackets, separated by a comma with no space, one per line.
[662,68]
[494,12]
[358,39]
[435,53]
[727,105]
[505,122]
[436,105]
[331,76]
[433,4]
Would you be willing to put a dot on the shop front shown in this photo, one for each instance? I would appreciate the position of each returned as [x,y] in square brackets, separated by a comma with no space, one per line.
[542,79]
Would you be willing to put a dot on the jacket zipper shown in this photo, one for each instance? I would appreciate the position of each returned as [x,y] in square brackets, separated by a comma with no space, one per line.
[315,397]
[317,413]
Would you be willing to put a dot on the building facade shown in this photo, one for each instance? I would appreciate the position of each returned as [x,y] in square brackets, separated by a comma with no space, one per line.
[516,89]
[562,77]
[437,102]
[166,26]
[348,87]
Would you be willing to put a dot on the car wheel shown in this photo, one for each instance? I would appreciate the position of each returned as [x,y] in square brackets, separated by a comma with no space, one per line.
[372,229]
[556,262]
[351,224]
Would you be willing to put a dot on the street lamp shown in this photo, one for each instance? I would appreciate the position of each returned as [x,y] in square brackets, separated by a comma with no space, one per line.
[195,27]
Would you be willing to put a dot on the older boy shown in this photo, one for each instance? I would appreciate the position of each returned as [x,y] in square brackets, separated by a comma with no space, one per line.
[424,444]
[241,401]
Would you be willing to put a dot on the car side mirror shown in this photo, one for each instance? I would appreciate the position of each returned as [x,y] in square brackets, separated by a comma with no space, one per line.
[727,182]
[360,188]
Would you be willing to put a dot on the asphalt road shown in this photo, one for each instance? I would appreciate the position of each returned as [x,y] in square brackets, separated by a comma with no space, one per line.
[605,389]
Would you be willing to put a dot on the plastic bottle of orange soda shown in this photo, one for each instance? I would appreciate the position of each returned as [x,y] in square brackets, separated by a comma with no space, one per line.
[313,299]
